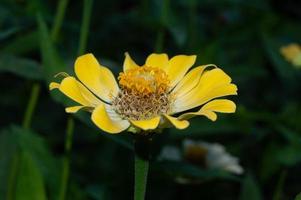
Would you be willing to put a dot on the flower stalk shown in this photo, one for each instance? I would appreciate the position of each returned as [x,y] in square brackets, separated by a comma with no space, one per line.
[66,159]
[35,91]
[142,157]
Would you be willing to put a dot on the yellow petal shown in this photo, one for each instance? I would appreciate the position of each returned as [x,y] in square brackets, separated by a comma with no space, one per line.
[107,120]
[213,84]
[157,60]
[54,85]
[77,92]
[149,124]
[189,81]
[97,78]
[178,66]
[73,109]
[179,124]
[209,109]
[128,63]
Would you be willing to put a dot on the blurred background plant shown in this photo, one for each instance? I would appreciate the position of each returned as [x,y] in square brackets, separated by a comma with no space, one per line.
[39,38]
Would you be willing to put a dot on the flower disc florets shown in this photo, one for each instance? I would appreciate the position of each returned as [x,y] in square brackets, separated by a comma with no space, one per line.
[144,93]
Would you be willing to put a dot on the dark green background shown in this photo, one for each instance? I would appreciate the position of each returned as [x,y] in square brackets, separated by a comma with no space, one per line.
[242,37]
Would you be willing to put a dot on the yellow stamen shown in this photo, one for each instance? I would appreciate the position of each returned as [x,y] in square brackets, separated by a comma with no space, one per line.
[144,80]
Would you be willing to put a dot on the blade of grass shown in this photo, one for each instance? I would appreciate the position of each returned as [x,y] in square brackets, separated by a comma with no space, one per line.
[66,159]
[84,31]
[12,177]
[35,91]
[59,18]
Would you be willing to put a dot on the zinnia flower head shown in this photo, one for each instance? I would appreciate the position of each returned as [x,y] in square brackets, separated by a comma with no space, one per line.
[148,97]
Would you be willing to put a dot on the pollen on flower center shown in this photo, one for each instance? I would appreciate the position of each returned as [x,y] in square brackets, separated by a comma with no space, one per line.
[144,80]
[144,93]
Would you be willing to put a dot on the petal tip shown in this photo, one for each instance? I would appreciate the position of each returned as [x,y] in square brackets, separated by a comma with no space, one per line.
[54,85]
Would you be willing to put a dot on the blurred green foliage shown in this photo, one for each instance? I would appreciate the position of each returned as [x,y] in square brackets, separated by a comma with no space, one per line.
[242,37]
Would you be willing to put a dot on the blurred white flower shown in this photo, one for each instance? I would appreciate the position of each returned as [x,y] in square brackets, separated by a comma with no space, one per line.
[216,156]
[203,154]
[171,153]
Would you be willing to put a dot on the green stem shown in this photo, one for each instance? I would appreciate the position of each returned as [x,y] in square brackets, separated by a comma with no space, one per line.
[141,171]
[59,17]
[142,156]
[66,159]
[84,31]
[12,177]
[35,91]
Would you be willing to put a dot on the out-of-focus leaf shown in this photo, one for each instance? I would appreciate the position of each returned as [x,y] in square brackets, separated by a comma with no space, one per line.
[289,155]
[8,147]
[20,66]
[52,63]
[16,140]
[270,163]
[97,192]
[6,33]
[30,183]
[291,136]
[278,193]
[250,189]
[285,70]
[298,197]
[22,43]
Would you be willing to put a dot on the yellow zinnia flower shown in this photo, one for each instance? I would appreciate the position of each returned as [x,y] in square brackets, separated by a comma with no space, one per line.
[147,97]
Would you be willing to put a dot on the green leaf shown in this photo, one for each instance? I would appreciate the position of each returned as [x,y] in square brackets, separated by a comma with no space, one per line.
[272,47]
[298,197]
[250,189]
[278,193]
[52,63]
[14,141]
[30,183]
[289,155]
[269,162]
[24,43]
[8,147]
[20,66]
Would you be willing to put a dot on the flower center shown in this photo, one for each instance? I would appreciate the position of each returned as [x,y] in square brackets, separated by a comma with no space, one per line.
[196,154]
[144,80]
[144,93]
